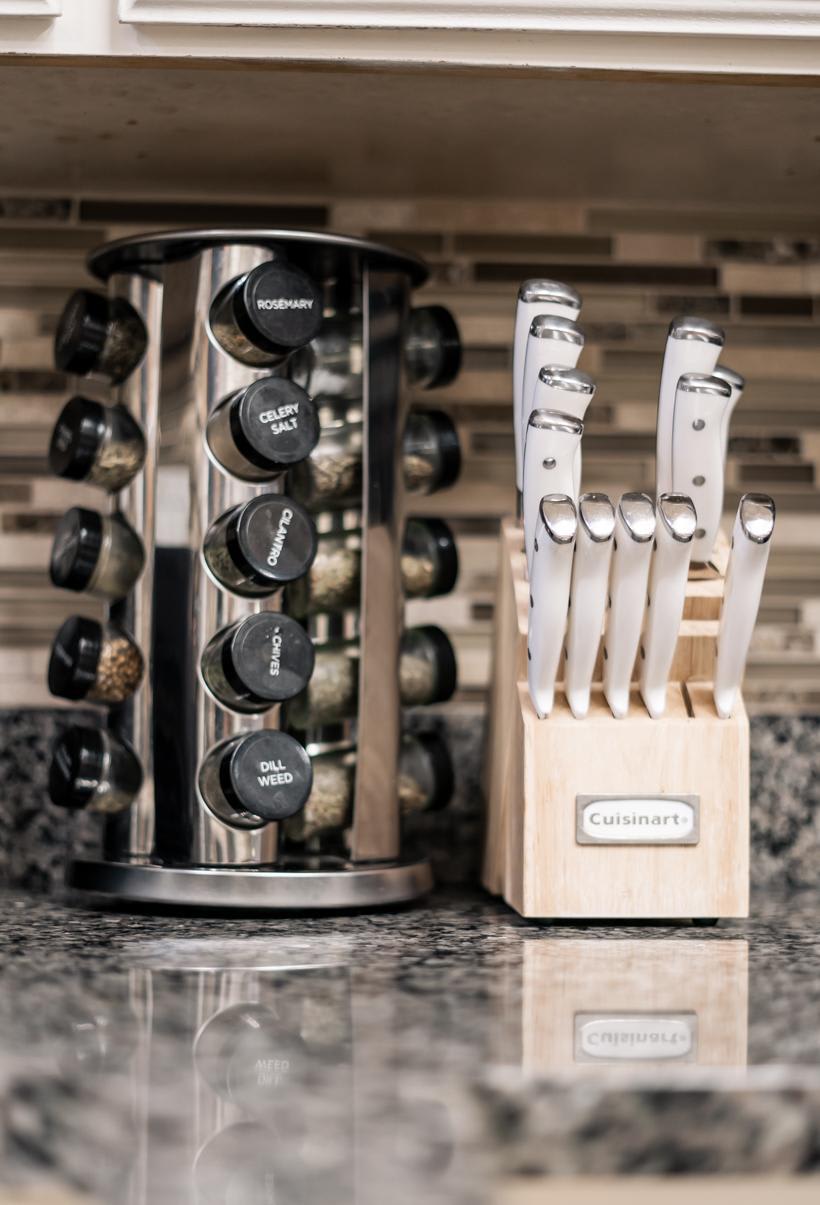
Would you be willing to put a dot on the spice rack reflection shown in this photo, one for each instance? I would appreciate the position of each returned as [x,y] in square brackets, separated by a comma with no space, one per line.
[255,451]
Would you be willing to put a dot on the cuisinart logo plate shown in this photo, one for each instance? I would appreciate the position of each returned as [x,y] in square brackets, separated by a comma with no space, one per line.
[635,1037]
[637,819]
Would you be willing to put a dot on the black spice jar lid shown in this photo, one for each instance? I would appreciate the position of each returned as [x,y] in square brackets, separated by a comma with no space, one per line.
[272,539]
[76,438]
[274,423]
[278,307]
[268,774]
[75,655]
[445,661]
[441,544]
[449,446]
[269,656]
[76,767]
[76,548]
[441,764]
[449,346]
[81,332]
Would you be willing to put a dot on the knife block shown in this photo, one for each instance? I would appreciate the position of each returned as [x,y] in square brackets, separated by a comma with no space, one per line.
[545,778]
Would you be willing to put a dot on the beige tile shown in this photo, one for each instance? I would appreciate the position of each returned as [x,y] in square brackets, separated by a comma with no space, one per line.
[655,247]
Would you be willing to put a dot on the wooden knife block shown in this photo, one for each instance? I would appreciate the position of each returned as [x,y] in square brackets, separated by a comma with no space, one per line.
[536,771]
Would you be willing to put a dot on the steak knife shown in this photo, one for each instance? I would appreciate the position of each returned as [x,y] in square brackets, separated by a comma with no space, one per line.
[535,297]
[674,531]
[697,453]
[550,449]
[631,553]
[692,345]
[737,384]
[550,340]
[751,544]
[588,593]
[549,597]
[567,390]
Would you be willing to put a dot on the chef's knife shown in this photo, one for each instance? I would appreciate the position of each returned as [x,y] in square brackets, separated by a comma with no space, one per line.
[737,384]
[697,453]
[549,596]
[692,345]
[535,297]
[675,527]
[550,340]
[588,594]
[751,543]
[550,448]
[634,532]
[567,390]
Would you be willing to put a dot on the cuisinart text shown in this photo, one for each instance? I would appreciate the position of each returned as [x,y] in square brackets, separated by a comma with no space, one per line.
[637,820]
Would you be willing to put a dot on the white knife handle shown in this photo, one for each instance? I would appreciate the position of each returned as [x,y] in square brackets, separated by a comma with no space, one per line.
[569,391]
[697,453]
[692,345]
[634,532]
[549,597]
[534,297]
[588,594]
[668,576]
[550,451]
[737,384]
[751,543]
[550,340]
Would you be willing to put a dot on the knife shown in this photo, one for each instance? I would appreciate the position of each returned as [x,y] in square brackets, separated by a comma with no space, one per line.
[588,594]
[567,390]
[550,449]
[631,553]
[751,543]
[668,575]
[534,297]
[697,453]
[692,345]
[737,384]
[550,340]
[549,596]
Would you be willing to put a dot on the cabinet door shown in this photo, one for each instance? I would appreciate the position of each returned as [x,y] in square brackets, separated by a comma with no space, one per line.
[31,8]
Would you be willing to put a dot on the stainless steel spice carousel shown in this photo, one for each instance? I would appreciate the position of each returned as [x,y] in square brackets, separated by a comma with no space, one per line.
[245,415]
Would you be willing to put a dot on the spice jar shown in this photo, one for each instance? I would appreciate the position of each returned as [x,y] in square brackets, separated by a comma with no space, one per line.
[264,775]
[93,661]
[429,567]
[93,769]
[264,429]
[258,546]
[331,477]
[425,782]
[432,347]
[264,315]
[99,554]
[258,661]
[99,334]
[427,674]
[102,445]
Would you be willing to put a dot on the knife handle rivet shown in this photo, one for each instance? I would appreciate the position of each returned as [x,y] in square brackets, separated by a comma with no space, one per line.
[643,653]
[532,604]
[529,655]
[535,544]
[549,463]
[700,533]
[698,480]
[614,545]
[606,654]
[698,424]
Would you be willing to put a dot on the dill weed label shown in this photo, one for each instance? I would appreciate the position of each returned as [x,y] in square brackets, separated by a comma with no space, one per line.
[265,773]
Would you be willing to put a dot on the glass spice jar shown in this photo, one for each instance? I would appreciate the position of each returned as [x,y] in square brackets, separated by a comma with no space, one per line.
[256,776]
[429,567]
[432,347]
[258,661]
[98,334]
[257,547]
[427,674]
[94,770]
[425,783]
[267,313]
[96,554]
[96,662]
[102,445]
[263,430]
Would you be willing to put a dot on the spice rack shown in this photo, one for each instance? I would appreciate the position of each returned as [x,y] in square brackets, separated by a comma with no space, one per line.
[258,382]
[544,777]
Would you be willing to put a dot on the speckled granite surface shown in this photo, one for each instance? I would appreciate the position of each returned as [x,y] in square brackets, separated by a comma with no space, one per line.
[785,803]
[415,1055]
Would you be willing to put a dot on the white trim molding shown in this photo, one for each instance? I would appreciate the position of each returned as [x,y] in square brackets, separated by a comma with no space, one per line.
[704,18]
[31,8]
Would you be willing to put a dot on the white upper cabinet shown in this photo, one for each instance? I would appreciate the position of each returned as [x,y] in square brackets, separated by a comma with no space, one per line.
[31,8]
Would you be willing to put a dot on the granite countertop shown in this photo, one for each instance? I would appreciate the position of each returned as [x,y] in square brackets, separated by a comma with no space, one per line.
[414,1055]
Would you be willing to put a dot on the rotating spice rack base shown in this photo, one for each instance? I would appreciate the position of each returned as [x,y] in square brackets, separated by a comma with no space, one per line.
[550,783]
[172,846]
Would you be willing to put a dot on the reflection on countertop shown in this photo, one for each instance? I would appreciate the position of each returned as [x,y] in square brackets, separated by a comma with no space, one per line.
[412,1055]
